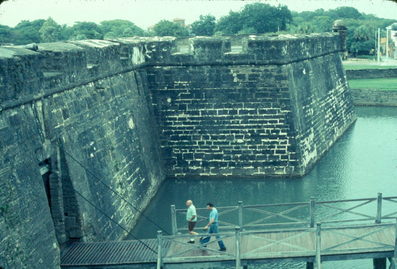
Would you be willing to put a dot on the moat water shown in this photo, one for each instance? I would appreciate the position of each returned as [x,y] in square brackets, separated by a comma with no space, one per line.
[361,163]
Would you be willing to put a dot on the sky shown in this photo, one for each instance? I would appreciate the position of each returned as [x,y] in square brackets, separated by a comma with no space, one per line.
[146,13]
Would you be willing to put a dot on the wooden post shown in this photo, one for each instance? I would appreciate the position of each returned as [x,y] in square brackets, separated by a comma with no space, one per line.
[379,208]
[238,241]
[312,211]
[159,250]
[173,220]
[240,214]
[318,246]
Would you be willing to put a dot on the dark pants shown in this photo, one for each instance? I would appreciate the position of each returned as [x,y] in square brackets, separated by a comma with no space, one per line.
[190,225]
[213,230]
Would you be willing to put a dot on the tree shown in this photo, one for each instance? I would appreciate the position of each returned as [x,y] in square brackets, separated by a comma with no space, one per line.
[283,18]
[168,28]
[265,18]
[85,30]
[230,24]
[66,32]
[6,35]
[50,31]
[120,28]
[256,18]
[361,27]
[345,12]
[27,32]
[205,26]
[247,31]
[303,28]
[322,24]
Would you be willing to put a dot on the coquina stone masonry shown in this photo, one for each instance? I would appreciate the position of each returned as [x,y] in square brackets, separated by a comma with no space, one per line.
[256,107]
[76,123]
[89,128]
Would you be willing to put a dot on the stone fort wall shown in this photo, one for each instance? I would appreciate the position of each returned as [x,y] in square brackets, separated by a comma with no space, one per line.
[84,112]
[80,119]
[254,107]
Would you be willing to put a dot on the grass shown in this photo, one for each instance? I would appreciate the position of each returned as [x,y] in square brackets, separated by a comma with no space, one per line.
[375,83]
[367,66]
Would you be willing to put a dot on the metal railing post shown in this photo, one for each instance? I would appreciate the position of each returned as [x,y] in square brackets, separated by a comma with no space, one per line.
[159,250]
[312,210]
[395,243]
[174,224]
[238,241]
[240,214]
[318,246]
[393,260]
[379,208]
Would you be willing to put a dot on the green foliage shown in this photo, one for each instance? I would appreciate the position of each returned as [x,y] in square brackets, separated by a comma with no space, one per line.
[169,28]
[247,31]
[120,28]
[361,27]
[230,24]
[50,31]
[85,30]
[27,32]
[256,18]
[205,26]
[6,35]
[345,13]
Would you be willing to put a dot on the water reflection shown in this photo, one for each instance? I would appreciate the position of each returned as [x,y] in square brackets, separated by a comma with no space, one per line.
[362,163]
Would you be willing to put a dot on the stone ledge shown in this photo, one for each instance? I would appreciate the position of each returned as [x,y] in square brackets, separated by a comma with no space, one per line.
[374,97]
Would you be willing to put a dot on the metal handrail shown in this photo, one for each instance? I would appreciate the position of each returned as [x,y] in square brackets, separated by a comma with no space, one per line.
[308,224]
[313,215]
[239,235]
[204,208]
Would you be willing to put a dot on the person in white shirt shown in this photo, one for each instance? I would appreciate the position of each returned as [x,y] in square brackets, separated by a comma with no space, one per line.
[191,218]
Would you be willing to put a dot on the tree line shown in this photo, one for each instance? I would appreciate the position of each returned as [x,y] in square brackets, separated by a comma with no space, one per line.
[255,18]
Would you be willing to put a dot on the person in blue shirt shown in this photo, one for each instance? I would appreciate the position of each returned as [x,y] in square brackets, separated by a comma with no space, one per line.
[212,225]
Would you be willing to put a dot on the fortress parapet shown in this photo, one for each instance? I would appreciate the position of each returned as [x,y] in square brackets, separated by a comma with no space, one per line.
[27,74]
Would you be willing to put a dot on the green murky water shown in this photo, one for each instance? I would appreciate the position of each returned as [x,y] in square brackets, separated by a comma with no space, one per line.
[362,163]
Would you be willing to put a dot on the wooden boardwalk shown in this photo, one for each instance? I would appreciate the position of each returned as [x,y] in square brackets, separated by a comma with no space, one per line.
[373,237]
[336,243]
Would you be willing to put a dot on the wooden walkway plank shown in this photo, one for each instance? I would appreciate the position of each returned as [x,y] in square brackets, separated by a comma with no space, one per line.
[254,246]
[338,239]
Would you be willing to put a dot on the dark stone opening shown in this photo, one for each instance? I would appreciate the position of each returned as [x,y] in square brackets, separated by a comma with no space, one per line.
[45,170]
[71,211]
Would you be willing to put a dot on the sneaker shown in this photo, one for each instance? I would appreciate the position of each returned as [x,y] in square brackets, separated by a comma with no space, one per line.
[191,241]
[222,249]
